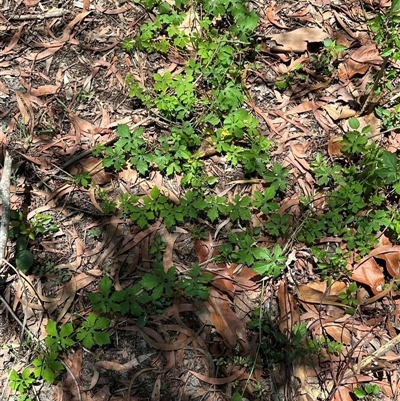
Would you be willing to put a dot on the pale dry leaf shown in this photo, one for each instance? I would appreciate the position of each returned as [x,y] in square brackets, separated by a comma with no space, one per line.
[45,90]
[339,112]
[317,293]
[338,333]
[296,41]
[128,174]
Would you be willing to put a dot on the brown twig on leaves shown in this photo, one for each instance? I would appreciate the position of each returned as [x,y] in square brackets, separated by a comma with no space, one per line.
[53,13]
[5,198]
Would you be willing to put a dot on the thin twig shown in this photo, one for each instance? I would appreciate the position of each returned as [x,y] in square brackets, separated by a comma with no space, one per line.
[53,13]
[5,199]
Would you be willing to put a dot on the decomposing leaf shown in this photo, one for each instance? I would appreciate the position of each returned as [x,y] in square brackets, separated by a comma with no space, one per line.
[296,41]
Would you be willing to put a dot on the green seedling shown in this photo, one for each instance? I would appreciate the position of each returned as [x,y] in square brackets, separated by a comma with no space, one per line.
[83,179]
[349,297]
[368,390]
[91,332]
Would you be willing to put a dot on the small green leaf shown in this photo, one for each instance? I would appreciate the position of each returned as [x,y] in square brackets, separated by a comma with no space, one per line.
[51,328]
[150,281]
[236,396]
[24,260]
[354,123]
[66,330]
[359,393]
[105,285]
[123,131]
[101,338]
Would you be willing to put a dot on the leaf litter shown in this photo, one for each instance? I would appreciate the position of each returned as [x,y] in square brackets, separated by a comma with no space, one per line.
[61,76]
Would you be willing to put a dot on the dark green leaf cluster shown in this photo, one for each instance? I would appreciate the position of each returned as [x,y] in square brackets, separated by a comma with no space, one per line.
[355,208]
[140,299]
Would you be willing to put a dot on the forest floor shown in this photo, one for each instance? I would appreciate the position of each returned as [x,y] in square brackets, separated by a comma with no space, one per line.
[63,90]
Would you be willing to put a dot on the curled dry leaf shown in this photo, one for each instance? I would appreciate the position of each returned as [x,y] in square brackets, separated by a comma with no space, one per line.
[359,62]
[369,273]
[92,166]
[289,312]
[297,41]
[219,381]
[271,16]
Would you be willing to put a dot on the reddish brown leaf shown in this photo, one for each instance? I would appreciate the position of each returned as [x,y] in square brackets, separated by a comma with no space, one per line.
[338,333]
[334,146]
[271,16]
[369,273]
[205,249]
[220,381]
[14,40]
[225,321]
[289,312]
[392,260]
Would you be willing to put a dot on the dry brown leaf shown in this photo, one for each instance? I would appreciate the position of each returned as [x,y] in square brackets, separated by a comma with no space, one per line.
[369,273]
[225,321]
[45,90]
[25,106]
[392,263]
[318,293]
[82,126]
[128,174]
[339,112]
[298,149]
[342,393]
[219,381]
[14,40]
[45,53]
[224,285]
[334,146]
[271,16]
[359,62]
[338,333]
[296,41]
[169,239]
[303,107]
[75,368]
[289,312]
[94,167]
